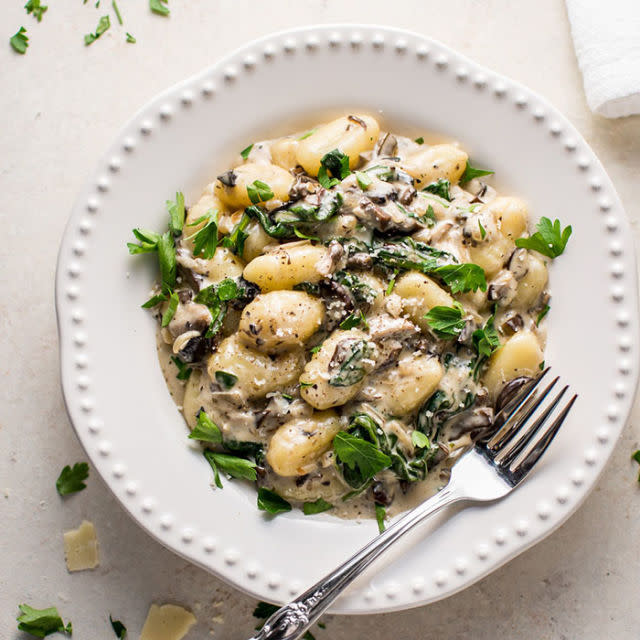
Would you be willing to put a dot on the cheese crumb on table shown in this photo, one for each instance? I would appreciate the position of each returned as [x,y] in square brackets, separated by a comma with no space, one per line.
[167,622]
[81,547]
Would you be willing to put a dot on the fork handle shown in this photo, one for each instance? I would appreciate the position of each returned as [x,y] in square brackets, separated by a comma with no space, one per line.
[293,619]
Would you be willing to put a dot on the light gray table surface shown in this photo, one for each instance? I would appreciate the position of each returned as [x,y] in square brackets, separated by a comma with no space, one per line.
[60,106]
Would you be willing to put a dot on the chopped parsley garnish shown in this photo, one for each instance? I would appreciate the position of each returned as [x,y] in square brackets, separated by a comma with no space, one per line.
[235,240]
[34,7]
[363,180]
[148,242]
[483,232]
[215,298]
[41,622]
[159,7]
[542,314]
[171,309]
[550,239]
[381,514]
[320,505]
[184,371]
[103,24]
[246,151]
[360,456]
[334,168]
[226,380]
[118,628]
[352,369]
[419,140]
[461,278]
[440,188]
[392,283]
[71,480]
[117,11]
[232,466]
[354,320]
[176,213]
[430,215]
[205,240]
[308,134]
[420,440]
[471,172]
[271,502]
[446,322]
[259,191]
[20,41]
[485,342]
[167,260]
[636,457]
[206,430]
[130,38]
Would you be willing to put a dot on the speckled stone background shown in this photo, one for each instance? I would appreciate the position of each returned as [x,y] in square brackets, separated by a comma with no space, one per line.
[60,106]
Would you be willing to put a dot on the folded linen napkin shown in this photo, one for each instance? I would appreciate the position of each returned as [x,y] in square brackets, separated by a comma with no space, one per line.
[606,36]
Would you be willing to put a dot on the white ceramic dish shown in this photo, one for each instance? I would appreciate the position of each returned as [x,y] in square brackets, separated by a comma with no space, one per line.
[114,390]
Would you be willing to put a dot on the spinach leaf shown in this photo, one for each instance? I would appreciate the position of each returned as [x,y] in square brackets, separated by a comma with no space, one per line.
[352,368]
[440,188]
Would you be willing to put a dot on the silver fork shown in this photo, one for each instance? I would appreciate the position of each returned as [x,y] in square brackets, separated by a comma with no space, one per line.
[490,470]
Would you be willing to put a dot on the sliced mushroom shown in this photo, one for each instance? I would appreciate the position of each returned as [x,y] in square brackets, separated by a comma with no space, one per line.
[387,145]
[303,186]
[331,262]
[509,392]
[502,288]
[381,494]
[474,421]
[229,178]
[519,263]
[190,316]
[513,323]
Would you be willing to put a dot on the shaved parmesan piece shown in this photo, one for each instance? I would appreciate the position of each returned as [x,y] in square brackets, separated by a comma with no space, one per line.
[167,622]
[81,547]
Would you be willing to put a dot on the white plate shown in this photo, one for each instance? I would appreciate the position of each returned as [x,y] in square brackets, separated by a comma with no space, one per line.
[115,393]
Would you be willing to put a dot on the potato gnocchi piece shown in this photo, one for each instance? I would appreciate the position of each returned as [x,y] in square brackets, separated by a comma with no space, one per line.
[257,373]
[510,215]
[335,351]
[224,264]
[433,163]
[235,195]
[286,266]
[284,153]
[533,283]
[521,355]
[256,241]
[352,135]
[419,295]
[296,446]
[279,320]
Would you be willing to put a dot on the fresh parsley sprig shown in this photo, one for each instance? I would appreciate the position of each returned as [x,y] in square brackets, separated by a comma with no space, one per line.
[20,41]
[103,25]
[259,191]
[41,622]
[334,167]
[485,341]
[205,240]
[471,172]
[232,466]
[446,322]
[71,480]
[176,213]
[159,7]
[360,455]
[36,9]
[550,239]
[206,430]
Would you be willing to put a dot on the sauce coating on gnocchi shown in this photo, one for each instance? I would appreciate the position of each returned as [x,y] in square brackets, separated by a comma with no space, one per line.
[342,312]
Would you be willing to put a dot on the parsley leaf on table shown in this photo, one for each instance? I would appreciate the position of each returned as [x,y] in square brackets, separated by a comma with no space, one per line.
[550,239]
[20,41]
[117,12]
[34,7]
[103,24]
[71,480]
[41,622]
[118,628]
[130,38]
[159,7]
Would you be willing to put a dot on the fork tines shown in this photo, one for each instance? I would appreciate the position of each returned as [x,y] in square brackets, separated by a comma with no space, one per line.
[520,441]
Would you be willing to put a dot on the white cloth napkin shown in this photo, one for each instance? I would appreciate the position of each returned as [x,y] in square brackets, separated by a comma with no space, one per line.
[606,36]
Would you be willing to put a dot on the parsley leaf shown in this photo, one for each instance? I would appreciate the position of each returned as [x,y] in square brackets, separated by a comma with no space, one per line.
[471,172]
[176,213]
[355,319]
[485,341]
[381,514]
[227,290]
[550,240]
[215,298]
[320,505]
[170,311]
[246,151]
[233,466]
[118,628]
[440,188]
[420,440]
[358,453]
[41,622]
[446,322]
[419,140]
[271,502]
[167,260]
[206,430]
[352,369]
[184,371]
[159,7]
[335,163]
[542,314]
[235,240]
[34,7]
[461,278]
[148,242]
[226,380]
[71,480]
[259,191]
[103,24]
[483,232]
[117,12]
[636,457]
[363,180]
[205,240]
[20,41]
[130,38]
[430,215]
[308,134]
